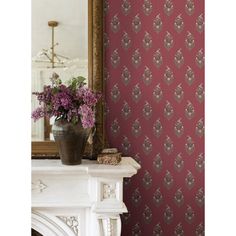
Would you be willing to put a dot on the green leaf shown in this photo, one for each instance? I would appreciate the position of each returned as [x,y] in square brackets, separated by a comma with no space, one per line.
[55,90]
[74,120]
[77,82]
[80,79]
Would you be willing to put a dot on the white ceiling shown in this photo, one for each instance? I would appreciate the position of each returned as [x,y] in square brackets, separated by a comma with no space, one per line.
[72,31]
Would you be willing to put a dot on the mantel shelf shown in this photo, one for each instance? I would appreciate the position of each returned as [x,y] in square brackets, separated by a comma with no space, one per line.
[126,168]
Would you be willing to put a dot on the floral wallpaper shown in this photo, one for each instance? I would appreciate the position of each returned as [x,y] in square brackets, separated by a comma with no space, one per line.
[154,71]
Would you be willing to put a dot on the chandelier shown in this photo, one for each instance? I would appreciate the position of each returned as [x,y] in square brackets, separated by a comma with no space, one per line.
[49,55]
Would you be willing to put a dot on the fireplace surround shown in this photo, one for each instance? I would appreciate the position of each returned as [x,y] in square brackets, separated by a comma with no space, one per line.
[82,200]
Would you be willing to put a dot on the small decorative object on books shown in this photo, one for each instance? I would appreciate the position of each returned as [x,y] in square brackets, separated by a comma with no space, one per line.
[109,150]
[73,107]
[109,156]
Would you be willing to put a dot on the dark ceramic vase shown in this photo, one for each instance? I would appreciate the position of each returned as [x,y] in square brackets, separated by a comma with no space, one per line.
[71,141]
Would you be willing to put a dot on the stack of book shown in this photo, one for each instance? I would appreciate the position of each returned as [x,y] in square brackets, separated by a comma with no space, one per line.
[109,156]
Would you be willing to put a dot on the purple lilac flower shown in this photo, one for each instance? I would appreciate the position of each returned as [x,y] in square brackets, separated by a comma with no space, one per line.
[80,92]
[90,98]
[38,113]
[68,103]
[61,100]
[87,116]
[63,88]
[45,96]
[72,113]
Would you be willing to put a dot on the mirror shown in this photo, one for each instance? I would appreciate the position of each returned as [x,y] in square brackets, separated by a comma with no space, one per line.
[60,45]
[67,38]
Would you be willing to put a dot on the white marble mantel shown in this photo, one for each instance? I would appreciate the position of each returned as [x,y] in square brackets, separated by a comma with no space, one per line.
[81,200]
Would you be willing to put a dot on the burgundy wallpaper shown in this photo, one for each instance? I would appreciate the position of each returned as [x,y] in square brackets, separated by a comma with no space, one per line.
[154,59]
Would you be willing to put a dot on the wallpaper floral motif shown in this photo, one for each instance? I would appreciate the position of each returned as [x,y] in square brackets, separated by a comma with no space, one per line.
[154,59]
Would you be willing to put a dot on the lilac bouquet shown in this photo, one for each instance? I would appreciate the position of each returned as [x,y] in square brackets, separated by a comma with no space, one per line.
[73,103]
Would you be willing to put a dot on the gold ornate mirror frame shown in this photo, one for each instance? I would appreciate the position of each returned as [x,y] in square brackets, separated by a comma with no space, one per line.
[47,149]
